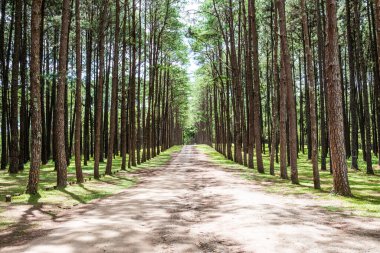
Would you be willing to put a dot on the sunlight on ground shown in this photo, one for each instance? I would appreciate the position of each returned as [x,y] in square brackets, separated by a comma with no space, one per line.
[366,188]
[73,194]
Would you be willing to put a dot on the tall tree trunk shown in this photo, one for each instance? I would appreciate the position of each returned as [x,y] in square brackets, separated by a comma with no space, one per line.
[377,88]
[353,96]
[321,77]
[105,112]
[61,162]
[53,97]
[276,83]
[13,147]
[249,84]
[99,90]
[290,93]
[123,127]
[35,102]
[42,84]
[4,107]
[115,81]
[139,139]
[311,85]
[283,127]
[78,94]
[23,142]
[5,82]
[143,126]
[47,110]
[132,90]
[256,87]
[335,111]
[87,106]
[237,89]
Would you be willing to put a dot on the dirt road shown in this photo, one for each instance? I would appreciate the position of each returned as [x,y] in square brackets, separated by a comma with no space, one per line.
[193,206]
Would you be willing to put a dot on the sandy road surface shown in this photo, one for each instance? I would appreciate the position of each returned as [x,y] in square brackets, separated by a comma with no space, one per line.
[193,206]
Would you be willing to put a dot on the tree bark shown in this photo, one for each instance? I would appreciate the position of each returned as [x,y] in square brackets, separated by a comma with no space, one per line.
[23,141]
[78,94]
[35,102]
[123,127]
[256,87]
[4,107]
[115,81]
[61,162]
[377,11]
[276,83]
[99,91]
[132,90]
[87,106]
[311,85]
[353,96]
[335,111]
[290,93]
[237,90]
[14,141]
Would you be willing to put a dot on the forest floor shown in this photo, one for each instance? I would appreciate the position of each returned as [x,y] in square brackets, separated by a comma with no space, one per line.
[194,205]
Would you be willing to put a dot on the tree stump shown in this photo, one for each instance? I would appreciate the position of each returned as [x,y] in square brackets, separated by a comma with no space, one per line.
[8,198]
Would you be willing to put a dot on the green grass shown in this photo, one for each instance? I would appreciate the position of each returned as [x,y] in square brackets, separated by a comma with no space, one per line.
[74,194]
[366,188]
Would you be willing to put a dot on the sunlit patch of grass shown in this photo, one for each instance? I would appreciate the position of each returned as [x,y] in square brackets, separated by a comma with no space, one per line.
[79,193]
[4,223]
[366,188]
[333,208]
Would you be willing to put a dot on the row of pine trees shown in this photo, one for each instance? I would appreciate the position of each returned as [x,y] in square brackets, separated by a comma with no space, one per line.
[91,79]
[287,75]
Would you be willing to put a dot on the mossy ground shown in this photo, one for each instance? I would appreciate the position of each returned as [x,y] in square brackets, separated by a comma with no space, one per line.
[365,188]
